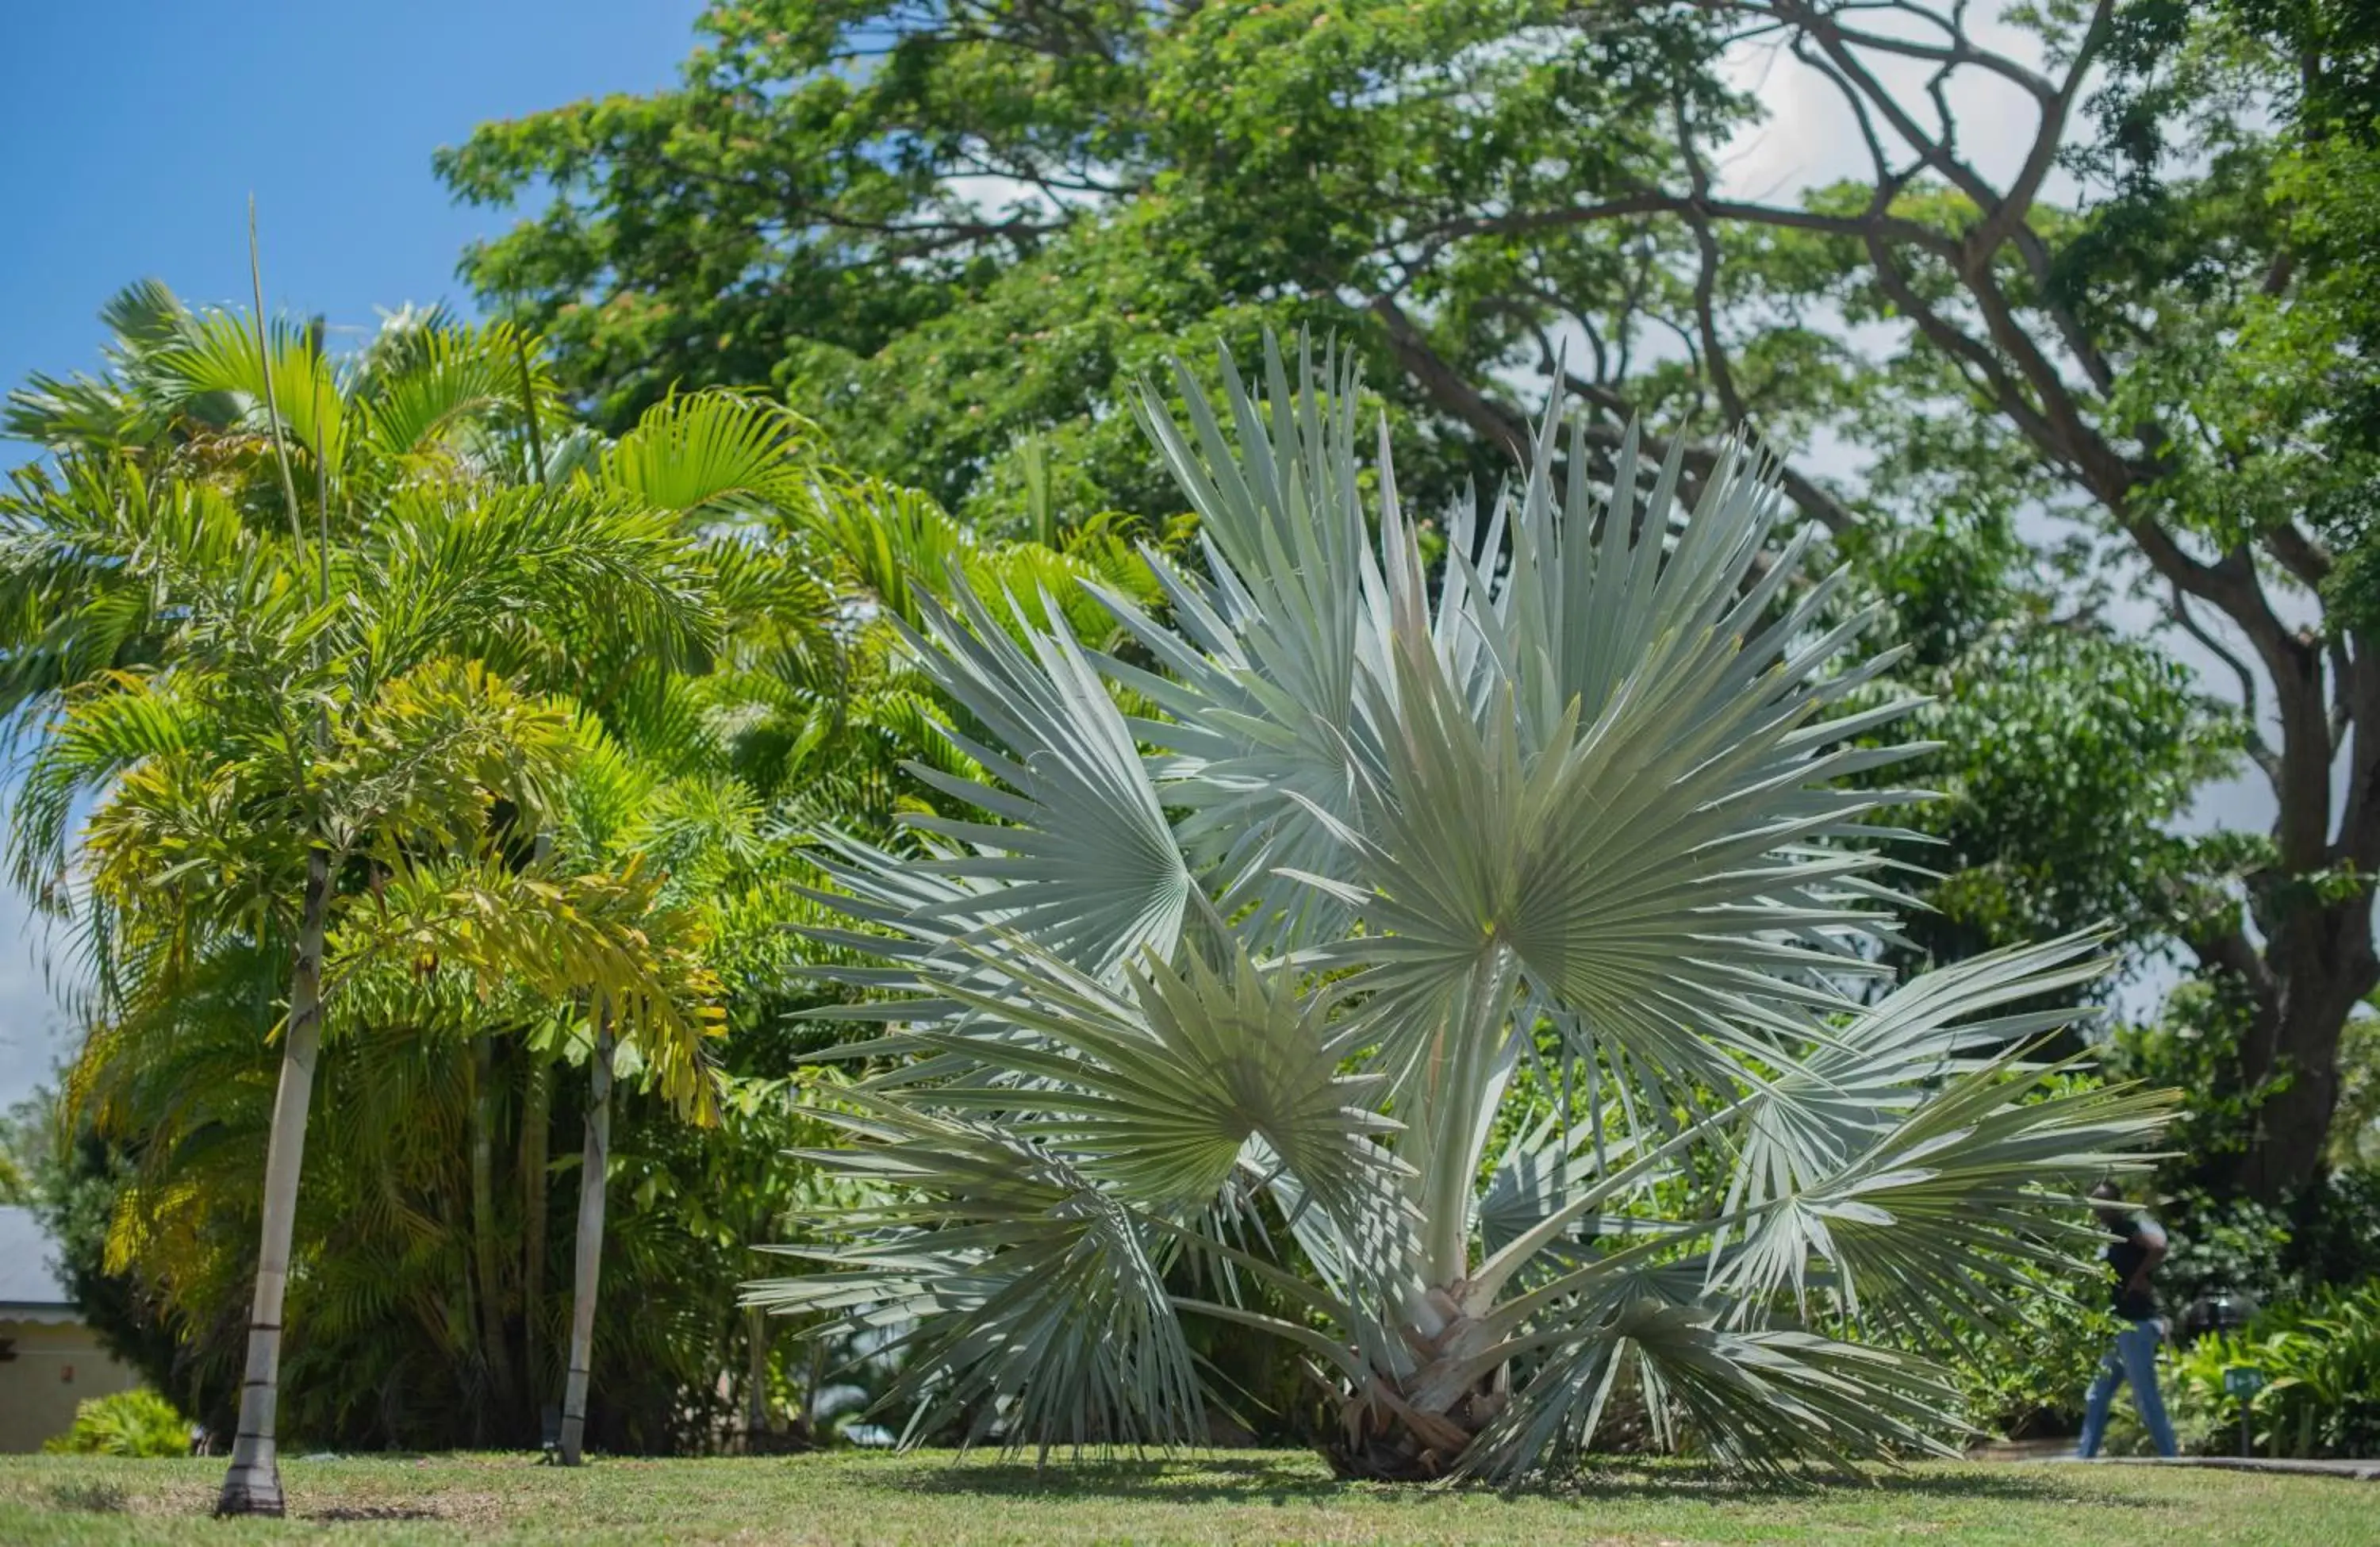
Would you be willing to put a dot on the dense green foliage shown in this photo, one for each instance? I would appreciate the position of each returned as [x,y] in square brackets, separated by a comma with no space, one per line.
[2321,1360]
[137,1422]
[858,315]
[955,234]
[672,765]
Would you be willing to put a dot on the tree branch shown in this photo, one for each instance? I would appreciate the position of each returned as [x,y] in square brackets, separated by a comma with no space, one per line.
[2258,750]
[1445,384]
[1812,499]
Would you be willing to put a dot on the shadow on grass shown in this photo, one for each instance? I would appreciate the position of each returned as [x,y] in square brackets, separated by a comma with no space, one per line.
[96,1498]
[1257,1481]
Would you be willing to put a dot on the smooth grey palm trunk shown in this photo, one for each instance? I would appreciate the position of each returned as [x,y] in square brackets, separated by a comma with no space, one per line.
[487,1245]
[253,1484]
[756,1379]
[537,1118]
[590,1256]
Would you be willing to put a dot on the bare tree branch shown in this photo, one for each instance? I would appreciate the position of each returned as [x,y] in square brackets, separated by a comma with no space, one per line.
[1813,499]
[1446,385]
[2259,752]
[2305,559]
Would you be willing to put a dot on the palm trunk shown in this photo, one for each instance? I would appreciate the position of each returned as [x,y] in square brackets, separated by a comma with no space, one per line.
[590,1262]
[487,1245]
[253,1484]
[537,1137]
[756,1377]
[537,1125]
[1418,1428]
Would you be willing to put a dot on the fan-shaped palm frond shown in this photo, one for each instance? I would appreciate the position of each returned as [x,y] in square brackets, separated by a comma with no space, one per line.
[428,384]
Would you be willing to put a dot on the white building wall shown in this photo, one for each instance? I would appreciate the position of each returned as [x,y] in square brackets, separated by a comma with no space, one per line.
[58,1365]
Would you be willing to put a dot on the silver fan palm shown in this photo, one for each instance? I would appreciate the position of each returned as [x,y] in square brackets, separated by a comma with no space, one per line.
[1218,1011]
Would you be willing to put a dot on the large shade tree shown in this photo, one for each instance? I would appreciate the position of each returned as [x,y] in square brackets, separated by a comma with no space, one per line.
[958,235]
[1229,983]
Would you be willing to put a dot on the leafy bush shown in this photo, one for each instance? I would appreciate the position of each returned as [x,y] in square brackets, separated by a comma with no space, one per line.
[2322,1364]
[2221,1244]
[2026,1381]
[135,1422]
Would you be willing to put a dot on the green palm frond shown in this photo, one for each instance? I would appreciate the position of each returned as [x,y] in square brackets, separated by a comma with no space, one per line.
[428,382]
[123,409]
[110,725]
[218,357]
[508,560]
[710,453]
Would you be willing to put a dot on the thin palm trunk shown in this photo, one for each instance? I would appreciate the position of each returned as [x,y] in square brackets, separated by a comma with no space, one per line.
[756,1378]
[536,1140]
[590,1241]
[253,1484]
[537,1126]
[487,1245]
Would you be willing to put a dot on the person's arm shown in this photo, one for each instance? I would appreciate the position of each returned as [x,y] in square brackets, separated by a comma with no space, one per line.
[2152,1242]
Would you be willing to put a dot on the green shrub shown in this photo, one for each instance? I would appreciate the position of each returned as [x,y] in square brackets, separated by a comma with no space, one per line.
[135,1422]
[2322,1364]
[2026,1380]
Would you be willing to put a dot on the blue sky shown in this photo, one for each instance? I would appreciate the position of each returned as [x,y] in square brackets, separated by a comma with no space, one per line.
[134,134]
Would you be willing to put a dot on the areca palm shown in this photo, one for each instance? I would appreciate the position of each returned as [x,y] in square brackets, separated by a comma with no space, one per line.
[1231,981]
[316,730]
[707,837]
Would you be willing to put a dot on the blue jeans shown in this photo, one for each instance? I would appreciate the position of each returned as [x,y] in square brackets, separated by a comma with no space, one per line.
[2132,1359]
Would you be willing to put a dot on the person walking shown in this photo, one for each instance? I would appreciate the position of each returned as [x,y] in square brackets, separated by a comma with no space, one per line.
[2138,1246]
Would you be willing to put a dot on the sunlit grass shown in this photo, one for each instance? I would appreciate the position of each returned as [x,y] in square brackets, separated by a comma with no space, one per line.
[1235,1496]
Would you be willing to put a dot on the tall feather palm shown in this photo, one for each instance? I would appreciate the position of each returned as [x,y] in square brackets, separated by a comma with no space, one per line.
[1277,944]
[810,697]
[300,723]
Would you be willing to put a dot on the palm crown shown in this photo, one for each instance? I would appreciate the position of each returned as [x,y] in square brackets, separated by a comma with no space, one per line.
[1267,921]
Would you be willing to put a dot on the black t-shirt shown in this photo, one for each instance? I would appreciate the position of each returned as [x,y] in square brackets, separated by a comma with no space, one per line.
[2125,1254]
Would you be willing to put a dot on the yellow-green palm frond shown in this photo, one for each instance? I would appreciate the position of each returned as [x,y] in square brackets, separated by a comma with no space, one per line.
[713,452]
[444,565]
[601,936]
[424,759]
[429,387]
[219,354]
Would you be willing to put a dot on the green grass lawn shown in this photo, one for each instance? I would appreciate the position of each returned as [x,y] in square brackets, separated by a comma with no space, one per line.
[1246,1496]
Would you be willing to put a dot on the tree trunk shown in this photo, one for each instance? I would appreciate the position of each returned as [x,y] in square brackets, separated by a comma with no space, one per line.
[487,1242]
[2324,963]
[537,1130]
[1415,1430]
[589,1261]
[252,1486]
